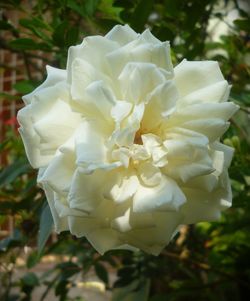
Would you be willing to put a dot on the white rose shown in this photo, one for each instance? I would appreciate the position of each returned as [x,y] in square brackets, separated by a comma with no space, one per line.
[127,146]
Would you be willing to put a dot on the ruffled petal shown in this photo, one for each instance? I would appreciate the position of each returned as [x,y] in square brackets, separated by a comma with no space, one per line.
[54,76]
[58,175]
[163,197]
[93,49]
[139,79]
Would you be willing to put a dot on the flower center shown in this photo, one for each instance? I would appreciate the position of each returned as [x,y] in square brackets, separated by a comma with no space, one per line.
[138,139]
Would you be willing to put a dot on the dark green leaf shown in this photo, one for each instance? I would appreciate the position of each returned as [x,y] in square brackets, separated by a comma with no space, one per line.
[91,6]
[24,44]
[101,272]
[33,259]
[243,24]
[30,279]
[45,227]
[76,8]
[136,291]
[24,86]
[141,14]
[11,172]
[28,44]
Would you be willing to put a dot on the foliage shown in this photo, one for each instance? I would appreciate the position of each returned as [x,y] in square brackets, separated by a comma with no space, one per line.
[209,261]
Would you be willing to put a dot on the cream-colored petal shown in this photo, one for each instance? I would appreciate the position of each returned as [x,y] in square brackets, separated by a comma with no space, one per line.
[61,224]
[142,49]
[93,50]
[121,34]
[161,103]
[125,188]
[222,111]
[100,97]
[139,79]
[81,225]
[58,175]
[83,74]
[163,197]
[124,135]
[155,148]
[194,75]
[31,140]
[86,191]
[149,174]
[90,144]
[104,239]
[59,119]
[121,223]
[187,160]
[54,76]
[148,37]
[216,92]
[227,151]
[207,206]
[213,128]
[121,110]
[154,239]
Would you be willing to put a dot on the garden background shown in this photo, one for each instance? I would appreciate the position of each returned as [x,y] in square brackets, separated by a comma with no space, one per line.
[207,261]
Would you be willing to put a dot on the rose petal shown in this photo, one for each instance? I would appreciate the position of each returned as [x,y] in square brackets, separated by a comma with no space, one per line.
[200,74]
[163,197]
[121,34]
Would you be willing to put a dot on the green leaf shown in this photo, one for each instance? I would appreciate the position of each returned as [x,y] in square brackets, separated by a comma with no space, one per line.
[7,96]
[72,36]
[91,6]
[135,291]
[24,86]
[68,269]
[76,8]
[59,34]
[28,44]
[24,44]
[35,22]
[141,14]
[36,26]
[33,259]
[30,279]
[11,172]
[243,24]
[5,25]
[101,272]
[45,227]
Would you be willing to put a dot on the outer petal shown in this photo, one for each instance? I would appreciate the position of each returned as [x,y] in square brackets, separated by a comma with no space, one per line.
[207,206]
[163,197]
[192,76]
[217,92]
[121,34]
[209,119]
[54,76]
[61,223]
[154,239]
[31,140]
[145,48]
[93,49]
[58,175]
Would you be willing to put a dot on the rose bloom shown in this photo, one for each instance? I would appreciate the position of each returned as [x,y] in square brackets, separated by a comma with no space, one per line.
[127,146]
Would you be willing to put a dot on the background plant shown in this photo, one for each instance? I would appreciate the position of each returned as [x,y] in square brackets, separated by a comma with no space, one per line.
[208,261]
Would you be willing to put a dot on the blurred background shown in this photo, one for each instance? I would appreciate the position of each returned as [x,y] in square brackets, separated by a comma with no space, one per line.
[207,261]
